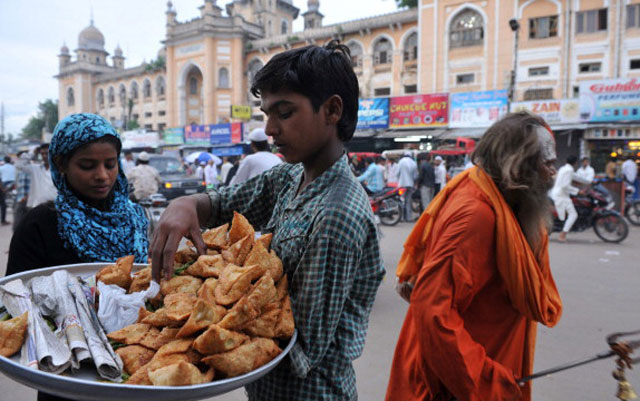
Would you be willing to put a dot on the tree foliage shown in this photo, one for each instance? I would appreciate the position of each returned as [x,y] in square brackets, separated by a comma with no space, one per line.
[157,64]
[407,3]
[46,118]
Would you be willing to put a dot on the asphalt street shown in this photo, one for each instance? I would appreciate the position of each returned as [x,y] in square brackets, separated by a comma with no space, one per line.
[599,284]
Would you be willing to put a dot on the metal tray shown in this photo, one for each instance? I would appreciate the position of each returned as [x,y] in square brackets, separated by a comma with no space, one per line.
[86,384]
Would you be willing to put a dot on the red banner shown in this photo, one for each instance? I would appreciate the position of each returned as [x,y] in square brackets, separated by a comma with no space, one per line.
[236,132]
[418,111]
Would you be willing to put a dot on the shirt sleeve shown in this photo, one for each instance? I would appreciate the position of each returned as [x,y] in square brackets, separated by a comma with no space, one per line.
[242,174]
[254,198]
[565,183]
[367,175]
[320,288]
[450,279]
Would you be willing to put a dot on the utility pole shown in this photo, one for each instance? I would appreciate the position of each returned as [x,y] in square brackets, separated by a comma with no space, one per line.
[515,27]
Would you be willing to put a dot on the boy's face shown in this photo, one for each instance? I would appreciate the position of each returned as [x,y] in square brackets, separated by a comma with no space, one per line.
[299,133]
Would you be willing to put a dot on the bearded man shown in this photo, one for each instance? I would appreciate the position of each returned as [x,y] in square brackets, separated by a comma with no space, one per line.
[478,265]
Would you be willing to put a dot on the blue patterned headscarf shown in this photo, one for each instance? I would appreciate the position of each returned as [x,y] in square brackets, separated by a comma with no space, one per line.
[95,235]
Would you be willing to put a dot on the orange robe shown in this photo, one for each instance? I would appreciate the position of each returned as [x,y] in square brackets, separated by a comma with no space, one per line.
[462,336]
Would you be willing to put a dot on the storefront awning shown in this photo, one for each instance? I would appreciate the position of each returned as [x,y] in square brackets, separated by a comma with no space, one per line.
[454,133]
[568,127]
[418,134]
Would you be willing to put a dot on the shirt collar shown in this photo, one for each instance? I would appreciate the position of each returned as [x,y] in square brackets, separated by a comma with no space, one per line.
[319,185]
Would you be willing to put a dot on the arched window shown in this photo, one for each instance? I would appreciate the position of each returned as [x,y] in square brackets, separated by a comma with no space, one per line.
[411,47]
[356,53]
[111,96]
[254,67]
[467,29]
[71,100]
[122,93]
[160,86]
[100,98]
[146,88]
[284,27]
[382,51]
[134,90]
[223,78]
[193,86]
[268,28]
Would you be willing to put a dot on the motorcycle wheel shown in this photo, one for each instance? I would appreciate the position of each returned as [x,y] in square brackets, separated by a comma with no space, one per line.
[632,213]
[390,212]
[611,228]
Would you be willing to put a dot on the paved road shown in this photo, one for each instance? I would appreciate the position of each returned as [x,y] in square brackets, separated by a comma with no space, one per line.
[598,283]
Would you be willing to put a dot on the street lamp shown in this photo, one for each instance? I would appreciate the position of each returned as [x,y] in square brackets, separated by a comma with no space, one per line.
[515,27]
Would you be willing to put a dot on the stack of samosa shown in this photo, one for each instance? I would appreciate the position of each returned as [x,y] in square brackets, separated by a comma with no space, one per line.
[219,317]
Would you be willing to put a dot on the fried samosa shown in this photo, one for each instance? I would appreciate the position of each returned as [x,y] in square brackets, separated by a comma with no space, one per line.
[260,256]
[216,238]
[207,266]
[178,306]
[265,239]
[176,284]
[131,334]
[240,228]
[118,274]
[134,357]
[142,313]
[250,305]
[185,255]
[285,326]
[179,374]
[207,290]
[156,338]
[237,253]
[141,376]
[159,318]
[203,315]
[12,334]
[216,340]
[141,280]
[235,281]
[245,358]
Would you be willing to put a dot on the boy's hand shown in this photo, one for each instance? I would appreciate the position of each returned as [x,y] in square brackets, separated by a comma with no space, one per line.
[179,220]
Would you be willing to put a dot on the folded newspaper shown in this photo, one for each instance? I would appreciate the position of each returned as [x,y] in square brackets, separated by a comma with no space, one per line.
[78,337]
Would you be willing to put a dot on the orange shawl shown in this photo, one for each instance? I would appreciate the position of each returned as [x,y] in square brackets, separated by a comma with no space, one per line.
[527,277]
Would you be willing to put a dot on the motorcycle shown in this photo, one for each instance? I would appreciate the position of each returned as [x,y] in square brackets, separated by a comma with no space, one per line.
[153,207]
[631,206]
[595,209]
[387,205]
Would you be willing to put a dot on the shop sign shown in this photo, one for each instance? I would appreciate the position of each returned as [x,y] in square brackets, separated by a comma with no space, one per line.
[477,109]
[197,135]
[613,133]
[173,136]
[373,113]
[610,100]
[417,111]
[225,133]
[241,112]
[140,139]
[554,112]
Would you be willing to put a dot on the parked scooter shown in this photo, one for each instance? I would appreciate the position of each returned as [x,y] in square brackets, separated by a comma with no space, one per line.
[153,207]
[387,205]
[595,209]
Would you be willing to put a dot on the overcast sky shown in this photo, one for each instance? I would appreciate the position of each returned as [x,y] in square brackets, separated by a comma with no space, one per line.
[32,32]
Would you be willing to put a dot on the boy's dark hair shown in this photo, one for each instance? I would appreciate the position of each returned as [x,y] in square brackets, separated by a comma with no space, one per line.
[316,73]
[261,146]
[572,159]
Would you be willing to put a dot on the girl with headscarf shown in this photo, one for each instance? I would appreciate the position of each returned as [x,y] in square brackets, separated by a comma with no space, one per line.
[92,218]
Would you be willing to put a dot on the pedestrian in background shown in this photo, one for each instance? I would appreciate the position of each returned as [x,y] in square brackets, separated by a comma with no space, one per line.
[127,162]
[478,262]
[372,179]
[23,184]
[630,174]
[144,178]
[200,170]
[41,187]
[392,172]
[561,195]
[426,180]
[407,175]
[211,175]
[261,160]
[611,169]
[440,173]
[586,172]
[224,169]
[8,177]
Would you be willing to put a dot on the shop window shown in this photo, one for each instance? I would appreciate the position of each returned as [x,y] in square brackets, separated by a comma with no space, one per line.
[634,64]
[148,127]
[538,94]
[591,21]
[633,16]
[410,89]
[382,52]
[411,47]
[162,113]
[465,79]
[543,27]
[148,114]
[356,54]
[538,71]
[382,92]
[585,68]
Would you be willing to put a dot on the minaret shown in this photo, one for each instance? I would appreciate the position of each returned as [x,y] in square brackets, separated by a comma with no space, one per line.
[313,17]
[171,14]
[64,57]
[118,58]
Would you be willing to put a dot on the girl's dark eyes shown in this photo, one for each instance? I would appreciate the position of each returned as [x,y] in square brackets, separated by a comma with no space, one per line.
[91,166]
[285,115]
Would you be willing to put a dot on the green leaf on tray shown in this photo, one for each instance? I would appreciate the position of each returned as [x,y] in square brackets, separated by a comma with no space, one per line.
[115,344]
[182,268]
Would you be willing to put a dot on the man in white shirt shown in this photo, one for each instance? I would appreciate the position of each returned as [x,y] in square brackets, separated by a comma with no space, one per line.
[211,175]
[200,170]
[144,178]
[260,161]
[127,163]
[629,171]
[440,174]
[407,175]
[41,188]
[224,169]
[561,195]
[585,171]
[8,176]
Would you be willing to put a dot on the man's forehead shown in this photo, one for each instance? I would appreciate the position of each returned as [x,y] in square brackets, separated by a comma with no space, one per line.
[547,143]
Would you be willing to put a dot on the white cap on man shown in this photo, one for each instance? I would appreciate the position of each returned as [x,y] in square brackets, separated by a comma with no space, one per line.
[438,158]
[143,157]
[408,153]
[258,135]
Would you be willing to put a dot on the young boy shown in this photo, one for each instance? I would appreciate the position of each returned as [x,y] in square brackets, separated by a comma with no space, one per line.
[323,228]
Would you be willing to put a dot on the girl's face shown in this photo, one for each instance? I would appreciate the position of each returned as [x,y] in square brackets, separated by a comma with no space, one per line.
[92,170]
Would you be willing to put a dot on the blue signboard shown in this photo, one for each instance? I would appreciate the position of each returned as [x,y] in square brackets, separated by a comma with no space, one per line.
[476,109]
[235,150]
[373,113]
[225,133]
[610,100]
[197,135]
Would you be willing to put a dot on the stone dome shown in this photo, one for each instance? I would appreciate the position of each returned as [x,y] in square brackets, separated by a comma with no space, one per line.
[90,38]
[118,51]
[64,49]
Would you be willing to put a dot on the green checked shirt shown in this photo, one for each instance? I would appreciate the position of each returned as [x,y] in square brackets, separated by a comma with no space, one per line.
[326,238]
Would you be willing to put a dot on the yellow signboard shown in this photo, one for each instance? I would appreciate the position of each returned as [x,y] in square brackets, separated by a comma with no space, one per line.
[241,112]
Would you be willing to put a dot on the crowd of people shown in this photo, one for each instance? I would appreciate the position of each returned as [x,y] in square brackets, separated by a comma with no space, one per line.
[475,267]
